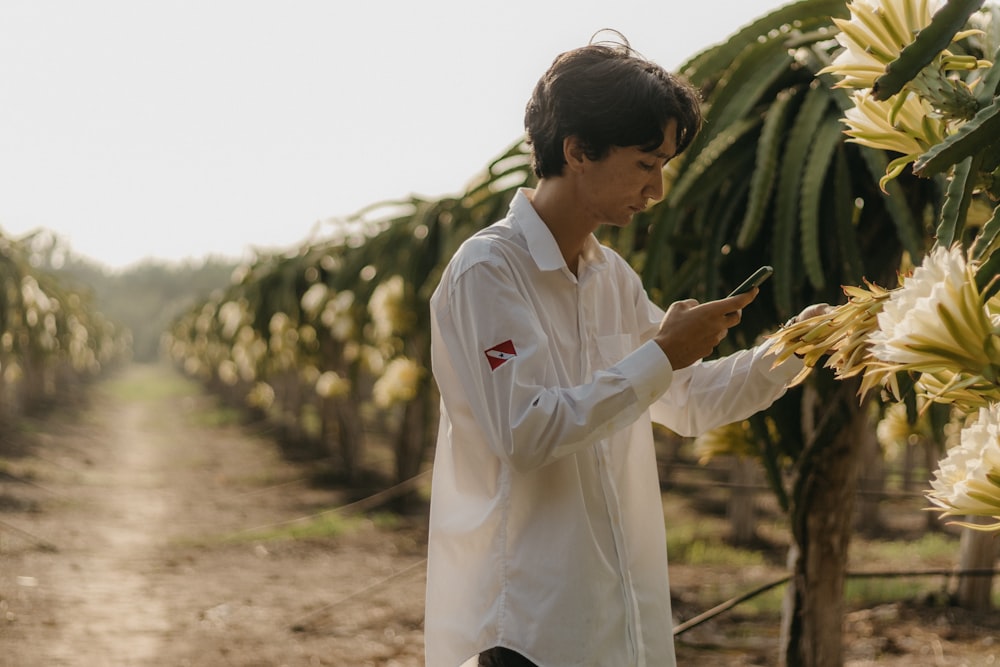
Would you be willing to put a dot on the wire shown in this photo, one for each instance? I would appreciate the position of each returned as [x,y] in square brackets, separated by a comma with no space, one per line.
[305,622]
[729,604]
[362,505]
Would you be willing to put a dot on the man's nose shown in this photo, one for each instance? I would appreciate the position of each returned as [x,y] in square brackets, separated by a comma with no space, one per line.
[655,188]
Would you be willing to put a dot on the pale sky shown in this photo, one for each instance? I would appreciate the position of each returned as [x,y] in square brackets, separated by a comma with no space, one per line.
[181,128]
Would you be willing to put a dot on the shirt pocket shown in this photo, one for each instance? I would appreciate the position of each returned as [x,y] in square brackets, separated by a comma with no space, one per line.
[614,348]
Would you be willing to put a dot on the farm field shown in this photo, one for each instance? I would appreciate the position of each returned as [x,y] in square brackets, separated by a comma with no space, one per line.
[150,527]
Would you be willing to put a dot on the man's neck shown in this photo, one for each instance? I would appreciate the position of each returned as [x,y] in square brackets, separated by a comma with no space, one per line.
[561,214]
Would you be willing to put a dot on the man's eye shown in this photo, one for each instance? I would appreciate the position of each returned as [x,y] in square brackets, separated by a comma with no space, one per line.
[647,166]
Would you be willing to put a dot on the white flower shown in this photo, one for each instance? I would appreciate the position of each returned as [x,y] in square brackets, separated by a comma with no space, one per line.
[388,309]
[894,429]
[13,373]
[330,385]
[905,125]
[936,321]
[372,359]
[398,383]
[313,298]
[192,366]
[33,295]
[246,362]
[337,317]
[203,323]
[910,128]
[228,373]
[261,396]
[231,317]
[307,334]
[731,439]
[967,481]
[874,36]
[967,393]
[279,323]
[309,373]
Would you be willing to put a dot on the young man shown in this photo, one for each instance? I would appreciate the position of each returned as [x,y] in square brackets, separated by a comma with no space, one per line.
[547,544]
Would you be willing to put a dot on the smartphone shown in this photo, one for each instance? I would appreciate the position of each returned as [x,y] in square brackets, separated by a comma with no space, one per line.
[759,276]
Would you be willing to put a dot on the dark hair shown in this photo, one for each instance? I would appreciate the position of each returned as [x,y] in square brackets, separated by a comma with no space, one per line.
[606,94]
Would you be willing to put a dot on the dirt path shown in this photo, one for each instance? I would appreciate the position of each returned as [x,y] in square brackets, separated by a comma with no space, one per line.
[152,509]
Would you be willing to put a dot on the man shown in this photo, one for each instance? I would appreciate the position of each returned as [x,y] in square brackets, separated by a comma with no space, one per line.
[547,545]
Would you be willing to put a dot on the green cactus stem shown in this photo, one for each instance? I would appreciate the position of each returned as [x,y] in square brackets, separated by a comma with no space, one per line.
[927,45]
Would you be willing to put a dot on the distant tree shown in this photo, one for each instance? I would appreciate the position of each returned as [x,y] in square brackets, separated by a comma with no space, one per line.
[144,297]
[52,338]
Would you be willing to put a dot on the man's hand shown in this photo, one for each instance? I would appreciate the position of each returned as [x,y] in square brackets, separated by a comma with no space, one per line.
[690,331]
[812,311]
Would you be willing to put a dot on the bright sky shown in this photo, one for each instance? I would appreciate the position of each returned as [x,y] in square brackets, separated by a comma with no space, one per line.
[142,128]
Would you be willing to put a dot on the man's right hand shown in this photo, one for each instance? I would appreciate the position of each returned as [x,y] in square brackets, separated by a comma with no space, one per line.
[689,331]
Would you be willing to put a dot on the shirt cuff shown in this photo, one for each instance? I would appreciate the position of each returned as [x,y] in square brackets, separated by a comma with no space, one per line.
[787,370]
[649,371]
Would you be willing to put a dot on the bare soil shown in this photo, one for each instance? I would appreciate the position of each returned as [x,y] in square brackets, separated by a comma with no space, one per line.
[137,532]
[138,549]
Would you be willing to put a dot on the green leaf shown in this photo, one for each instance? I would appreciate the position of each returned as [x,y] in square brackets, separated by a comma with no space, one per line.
[990,80]
[806,15]
[726,215]
[745,67]
[957,202]
[693,184]
[991,158]
[661,250]
[926,46]
[986,237]
[843,201]
[894,199]
[979,132]
[766,166]
[807,121]
[821,153]
[667,283]
[742,86]
[988,276]
[737,92]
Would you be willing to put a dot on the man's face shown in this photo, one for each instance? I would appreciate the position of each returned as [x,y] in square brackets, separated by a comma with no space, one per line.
[624,182]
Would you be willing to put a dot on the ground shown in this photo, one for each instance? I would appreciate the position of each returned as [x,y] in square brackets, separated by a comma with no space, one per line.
[139,549]
[142,530]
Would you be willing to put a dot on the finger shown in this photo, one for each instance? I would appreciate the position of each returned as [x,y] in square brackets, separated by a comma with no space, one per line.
[737,302]
[730,304]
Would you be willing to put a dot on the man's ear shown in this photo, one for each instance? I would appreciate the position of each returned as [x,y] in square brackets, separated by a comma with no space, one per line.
[574,153]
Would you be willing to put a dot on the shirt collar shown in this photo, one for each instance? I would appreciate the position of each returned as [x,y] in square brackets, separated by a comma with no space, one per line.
[541,244]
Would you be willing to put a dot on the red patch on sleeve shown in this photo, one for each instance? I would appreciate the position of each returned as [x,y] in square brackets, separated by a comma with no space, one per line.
[500,354]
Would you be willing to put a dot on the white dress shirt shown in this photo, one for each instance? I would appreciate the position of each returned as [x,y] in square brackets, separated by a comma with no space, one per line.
[546,523]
